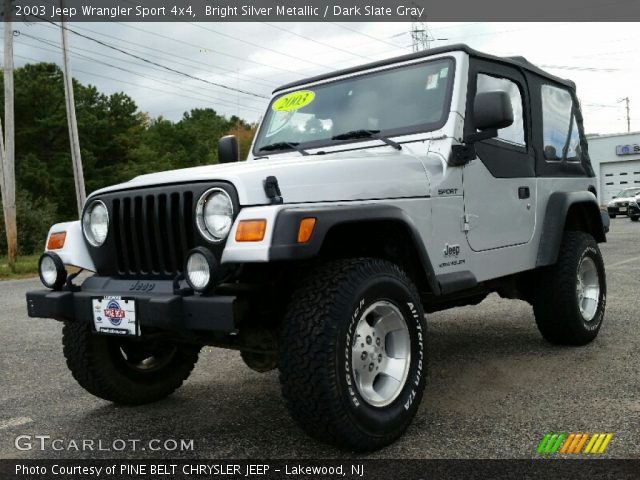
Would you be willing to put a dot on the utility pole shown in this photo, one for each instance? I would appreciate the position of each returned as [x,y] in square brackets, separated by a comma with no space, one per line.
[76,159]
[419,36]
[8,156]
[628,110]
[626,99]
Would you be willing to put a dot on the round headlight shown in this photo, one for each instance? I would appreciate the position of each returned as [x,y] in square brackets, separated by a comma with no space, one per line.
[95,223]
[52,271]
[214,214]
[200,269]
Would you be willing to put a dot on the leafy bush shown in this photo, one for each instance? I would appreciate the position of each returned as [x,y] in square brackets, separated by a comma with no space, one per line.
[35,216]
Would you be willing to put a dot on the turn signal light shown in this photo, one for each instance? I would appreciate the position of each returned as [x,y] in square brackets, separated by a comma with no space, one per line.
[305,229]
[251,230]
[56,240]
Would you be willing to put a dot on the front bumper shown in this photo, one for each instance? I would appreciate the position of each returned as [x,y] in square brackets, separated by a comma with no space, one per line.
[615,209]
[158,306]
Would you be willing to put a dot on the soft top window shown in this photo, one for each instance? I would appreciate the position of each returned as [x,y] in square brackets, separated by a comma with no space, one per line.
[560,129]
[397,101]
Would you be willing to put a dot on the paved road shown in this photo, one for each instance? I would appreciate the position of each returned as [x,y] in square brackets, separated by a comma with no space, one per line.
[494,388]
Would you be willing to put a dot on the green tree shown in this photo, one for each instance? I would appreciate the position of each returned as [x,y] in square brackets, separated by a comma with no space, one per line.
[117,141]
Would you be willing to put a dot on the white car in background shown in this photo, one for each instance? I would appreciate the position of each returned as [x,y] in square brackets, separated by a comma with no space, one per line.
[619,205]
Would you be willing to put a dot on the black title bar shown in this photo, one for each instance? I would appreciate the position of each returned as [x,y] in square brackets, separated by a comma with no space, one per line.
[321,10]
[363,469]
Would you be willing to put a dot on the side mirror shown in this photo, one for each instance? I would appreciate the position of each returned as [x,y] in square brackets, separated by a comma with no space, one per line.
[228,149]
[492,110]
[614,196]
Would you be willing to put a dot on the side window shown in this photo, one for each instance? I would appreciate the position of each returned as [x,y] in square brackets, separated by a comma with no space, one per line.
[514,133]
[560,130]
[573,149]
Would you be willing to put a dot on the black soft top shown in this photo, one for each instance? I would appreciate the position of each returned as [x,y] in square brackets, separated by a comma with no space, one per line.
[519,62]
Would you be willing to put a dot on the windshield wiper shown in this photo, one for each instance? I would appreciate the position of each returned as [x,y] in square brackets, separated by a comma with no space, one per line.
[367,134]
[284,146]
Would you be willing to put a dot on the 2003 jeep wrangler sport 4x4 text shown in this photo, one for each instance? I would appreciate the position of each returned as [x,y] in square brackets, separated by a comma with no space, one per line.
[371,196]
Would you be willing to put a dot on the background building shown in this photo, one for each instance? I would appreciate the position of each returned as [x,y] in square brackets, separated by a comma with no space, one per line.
[616,161]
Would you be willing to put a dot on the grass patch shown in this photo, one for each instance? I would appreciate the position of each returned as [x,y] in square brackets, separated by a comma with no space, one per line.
[26,266]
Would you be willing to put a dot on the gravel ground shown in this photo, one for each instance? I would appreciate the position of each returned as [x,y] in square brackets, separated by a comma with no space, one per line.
[494,387]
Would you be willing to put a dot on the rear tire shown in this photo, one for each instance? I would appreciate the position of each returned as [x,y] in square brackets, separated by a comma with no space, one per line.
[125,371]
[342,382]
[570,296]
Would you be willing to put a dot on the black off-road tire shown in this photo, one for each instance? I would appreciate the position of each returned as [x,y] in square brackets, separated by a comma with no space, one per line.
[555,304]
[316,374]
[634,219]
[612,215]
[97,364]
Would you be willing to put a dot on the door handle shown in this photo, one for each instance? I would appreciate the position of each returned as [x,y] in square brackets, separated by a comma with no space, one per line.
[523,192]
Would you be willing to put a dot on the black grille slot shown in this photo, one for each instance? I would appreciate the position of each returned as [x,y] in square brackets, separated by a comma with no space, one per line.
[152,233]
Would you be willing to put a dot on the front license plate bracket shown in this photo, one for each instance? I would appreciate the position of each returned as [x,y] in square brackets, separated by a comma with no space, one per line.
[115,315]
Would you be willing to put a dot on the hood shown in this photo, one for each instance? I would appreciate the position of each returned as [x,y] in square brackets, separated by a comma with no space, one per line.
[368,174]
[615,201]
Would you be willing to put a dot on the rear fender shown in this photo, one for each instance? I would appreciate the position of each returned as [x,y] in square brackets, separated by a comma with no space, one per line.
[568,211]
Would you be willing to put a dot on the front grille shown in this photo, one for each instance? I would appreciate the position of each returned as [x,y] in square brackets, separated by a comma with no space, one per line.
[152,232]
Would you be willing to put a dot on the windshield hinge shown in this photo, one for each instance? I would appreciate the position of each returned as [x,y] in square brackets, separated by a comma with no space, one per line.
[469,221]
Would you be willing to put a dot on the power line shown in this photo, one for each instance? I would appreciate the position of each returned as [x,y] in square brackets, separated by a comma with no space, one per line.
[143,75]
[578,68]
[599,105]
[247,78]
[316,41]
[202,98]
[204,48]
[262,47]
[147,87]
[398,50]
[364,34]
[119,80]
[151,62]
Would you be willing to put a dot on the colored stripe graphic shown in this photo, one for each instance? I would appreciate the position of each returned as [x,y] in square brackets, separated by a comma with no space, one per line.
[581,444]
[550,443]
[572,443]
[607,439]
[591,443]
[559,440]
[542,444]
[571,439]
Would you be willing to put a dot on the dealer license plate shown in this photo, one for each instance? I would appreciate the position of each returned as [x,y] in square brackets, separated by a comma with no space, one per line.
[115,316]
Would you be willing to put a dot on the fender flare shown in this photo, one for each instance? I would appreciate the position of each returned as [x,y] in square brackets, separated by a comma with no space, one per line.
[284,245]
[555,220]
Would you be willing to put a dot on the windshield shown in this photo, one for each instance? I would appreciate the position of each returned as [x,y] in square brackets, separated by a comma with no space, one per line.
[628,192]
[397,101]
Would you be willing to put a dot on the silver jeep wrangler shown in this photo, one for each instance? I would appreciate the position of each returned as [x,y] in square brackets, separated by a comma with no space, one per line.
[371,196]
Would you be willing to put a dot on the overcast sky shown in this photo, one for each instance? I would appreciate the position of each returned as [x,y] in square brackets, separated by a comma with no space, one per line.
[257,57]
